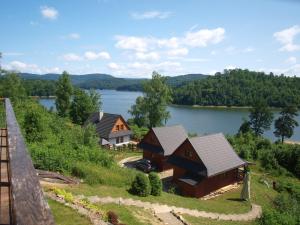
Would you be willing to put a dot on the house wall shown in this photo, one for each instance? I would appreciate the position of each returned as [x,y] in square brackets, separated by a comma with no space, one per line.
[126,140]
[207,185]
[182,152]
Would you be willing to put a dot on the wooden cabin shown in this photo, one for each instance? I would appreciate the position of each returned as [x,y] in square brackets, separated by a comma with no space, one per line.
[160,142]
[111,128]
[204,164]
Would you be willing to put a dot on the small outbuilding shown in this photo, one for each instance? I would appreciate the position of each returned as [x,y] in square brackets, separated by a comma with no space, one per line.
[111,128]
[205,164]
[160,142]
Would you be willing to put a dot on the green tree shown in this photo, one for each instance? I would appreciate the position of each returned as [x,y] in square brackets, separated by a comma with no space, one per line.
[285,124]
[139,112]
[151,110]
[141,185]
[245,127]
[33,126]
[156,184]
[12,87]
[83,105]
[64,91]
[90,137]
[261,118]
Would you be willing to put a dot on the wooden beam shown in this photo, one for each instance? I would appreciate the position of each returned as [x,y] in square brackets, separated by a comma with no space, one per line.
[29,206]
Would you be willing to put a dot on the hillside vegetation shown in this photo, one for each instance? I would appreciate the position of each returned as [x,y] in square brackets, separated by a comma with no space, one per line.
[240,88]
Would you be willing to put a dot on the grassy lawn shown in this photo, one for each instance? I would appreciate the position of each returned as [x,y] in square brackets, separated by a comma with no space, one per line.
[197,220]
[64,215]
[225,203]
[130,215]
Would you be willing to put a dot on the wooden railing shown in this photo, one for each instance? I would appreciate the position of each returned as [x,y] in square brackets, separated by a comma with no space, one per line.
[28,206]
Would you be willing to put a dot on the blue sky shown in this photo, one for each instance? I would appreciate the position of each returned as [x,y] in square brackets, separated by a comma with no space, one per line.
[131,38]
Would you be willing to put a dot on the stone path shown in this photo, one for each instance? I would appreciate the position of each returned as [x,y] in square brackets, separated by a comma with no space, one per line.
[254,213]
[169,218]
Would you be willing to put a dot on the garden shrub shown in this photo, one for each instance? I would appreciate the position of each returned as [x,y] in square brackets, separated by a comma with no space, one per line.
[112,218]
[141,185]
[156,184]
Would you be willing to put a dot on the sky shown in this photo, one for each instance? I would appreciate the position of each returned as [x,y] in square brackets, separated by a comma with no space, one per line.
[132,38]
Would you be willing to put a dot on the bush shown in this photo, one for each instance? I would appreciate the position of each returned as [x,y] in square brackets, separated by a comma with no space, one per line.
[276,218]
[156,184]
[112,218]
[141,185]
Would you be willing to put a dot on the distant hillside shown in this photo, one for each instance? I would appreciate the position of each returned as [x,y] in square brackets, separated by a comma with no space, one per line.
[240,88]
[106,81]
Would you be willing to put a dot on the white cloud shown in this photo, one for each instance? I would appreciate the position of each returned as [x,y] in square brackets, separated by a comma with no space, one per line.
[204,37]
[49,12]
[151,15]
[74,36]
[195,59]
[178,52]
[291,60]
[248,49]
[30,68]
[200,38]
[132,43]
[286,38]
[168,43]
[147,56]
[72,57]
[89,55]
[13,53]
[113,66]
[230,67]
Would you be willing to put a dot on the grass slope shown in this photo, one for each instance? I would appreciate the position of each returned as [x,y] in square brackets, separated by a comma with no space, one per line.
[64,215]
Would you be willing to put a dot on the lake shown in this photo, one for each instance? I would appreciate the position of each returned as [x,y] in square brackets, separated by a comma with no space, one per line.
[195,120]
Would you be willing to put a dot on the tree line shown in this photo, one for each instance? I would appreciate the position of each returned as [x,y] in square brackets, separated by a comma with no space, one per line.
[240,88]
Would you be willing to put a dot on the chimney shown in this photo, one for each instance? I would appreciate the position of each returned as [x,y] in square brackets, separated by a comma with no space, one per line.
[100,115]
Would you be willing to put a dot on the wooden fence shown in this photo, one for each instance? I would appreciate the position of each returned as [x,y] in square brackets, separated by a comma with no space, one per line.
[28,205]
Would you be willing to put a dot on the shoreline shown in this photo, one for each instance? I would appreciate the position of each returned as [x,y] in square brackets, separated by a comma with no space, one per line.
[220,107]
[44,97]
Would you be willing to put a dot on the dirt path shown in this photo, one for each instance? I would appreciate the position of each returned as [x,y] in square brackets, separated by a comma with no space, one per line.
[254,213]
[169,218]
[122,162]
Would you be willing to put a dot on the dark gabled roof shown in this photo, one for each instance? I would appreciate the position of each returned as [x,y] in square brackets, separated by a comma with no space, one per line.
[216,153]
[189,165]
[106,124]
[170,137]
[151,148]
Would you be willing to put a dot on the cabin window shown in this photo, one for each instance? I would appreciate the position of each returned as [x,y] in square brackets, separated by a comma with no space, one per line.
[188,153]
[122,127]
[119,140]
[117,127]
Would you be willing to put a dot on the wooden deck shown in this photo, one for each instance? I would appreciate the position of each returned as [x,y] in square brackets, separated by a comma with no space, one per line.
[5,203]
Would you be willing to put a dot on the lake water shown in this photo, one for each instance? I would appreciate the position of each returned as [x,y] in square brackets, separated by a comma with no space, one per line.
[195,120]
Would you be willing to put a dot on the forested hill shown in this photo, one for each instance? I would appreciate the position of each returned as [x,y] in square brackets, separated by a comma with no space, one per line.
[105,81]
[240,88]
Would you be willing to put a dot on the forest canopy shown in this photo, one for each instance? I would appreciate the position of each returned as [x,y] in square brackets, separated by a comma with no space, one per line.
[240,88]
